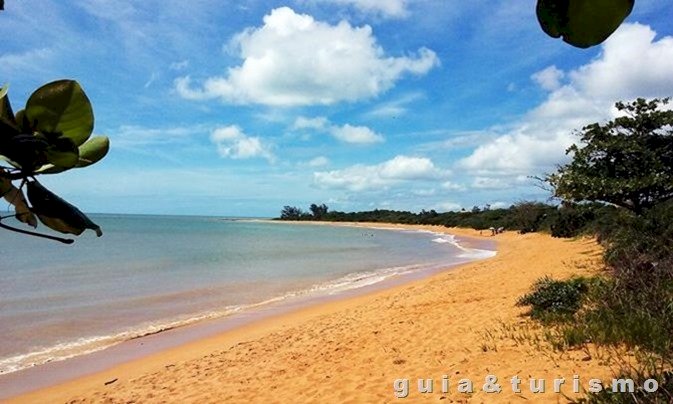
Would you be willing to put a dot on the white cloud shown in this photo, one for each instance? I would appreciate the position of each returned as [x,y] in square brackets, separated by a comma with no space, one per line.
[631,64]
[448,207]
[317,123]
[500,205]
[233,143]
[346,133]
[385,8]
[294,60]
[381,176]
[135,136]
[355,178]
[394,108]
[424,192]
[26,61]
[356,134]
[452,186]
[549,78]
[490,183]
[319,161]
[409,168]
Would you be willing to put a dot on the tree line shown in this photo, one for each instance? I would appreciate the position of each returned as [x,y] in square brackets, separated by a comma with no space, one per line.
[564,220]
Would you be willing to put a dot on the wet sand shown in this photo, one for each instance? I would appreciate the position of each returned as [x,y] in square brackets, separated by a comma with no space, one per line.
[458,324]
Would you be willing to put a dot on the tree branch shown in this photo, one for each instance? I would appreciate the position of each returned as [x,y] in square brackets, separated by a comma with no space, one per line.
[30,233]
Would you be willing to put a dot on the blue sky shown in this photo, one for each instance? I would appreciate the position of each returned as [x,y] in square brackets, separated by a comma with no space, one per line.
[239,108]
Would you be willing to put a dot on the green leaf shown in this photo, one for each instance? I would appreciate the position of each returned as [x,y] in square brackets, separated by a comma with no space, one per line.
[61,107]
[26,150]
[8,126]
[93,150]
[552,16]
[22,122]
[58,214]
[63,153]
[50,169]
[89,153]
[582,23]
[14,196]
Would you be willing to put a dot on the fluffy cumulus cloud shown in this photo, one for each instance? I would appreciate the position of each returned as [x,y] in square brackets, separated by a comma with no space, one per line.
[294,60]
[346,133]
[385,8]
[549,78]
[356,134]
[318,123]
[381,176]
[633,63]
[232,142]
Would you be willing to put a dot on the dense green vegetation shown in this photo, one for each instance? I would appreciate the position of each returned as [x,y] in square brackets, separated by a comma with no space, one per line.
[565,220]
[553,300]
[628,162]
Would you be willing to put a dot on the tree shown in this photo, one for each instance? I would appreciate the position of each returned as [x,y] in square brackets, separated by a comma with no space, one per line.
[528,216]
[627,162]
[51,135]
[318,211]
[291,213]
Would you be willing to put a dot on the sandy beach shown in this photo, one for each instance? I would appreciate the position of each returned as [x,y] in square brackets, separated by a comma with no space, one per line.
[459,324]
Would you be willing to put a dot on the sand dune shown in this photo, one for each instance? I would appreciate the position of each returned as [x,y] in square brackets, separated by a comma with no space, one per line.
[460,324]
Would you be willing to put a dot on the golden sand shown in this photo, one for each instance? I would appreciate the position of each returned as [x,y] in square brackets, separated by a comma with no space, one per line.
[460,324]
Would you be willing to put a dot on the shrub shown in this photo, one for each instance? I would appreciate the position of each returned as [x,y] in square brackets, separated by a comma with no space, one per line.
[553,300]
[633,307]
[639,243]
[571,221]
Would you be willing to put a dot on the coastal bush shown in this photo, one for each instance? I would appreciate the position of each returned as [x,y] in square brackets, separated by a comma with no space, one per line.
[639,243]
[571,220]
[635,309]
[529,217]
[554,300]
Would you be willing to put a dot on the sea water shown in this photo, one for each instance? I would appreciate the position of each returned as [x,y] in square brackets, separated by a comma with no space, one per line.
[152,273]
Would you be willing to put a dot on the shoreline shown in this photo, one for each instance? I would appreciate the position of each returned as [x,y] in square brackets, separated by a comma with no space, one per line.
[50,373]
[368,340]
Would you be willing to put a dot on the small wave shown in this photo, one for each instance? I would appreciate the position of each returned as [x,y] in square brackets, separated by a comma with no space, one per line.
[361,279]
[473,253]
[84,346]
[88,345]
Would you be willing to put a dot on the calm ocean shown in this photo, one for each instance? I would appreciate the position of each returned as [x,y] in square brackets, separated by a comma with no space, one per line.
[149,273]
